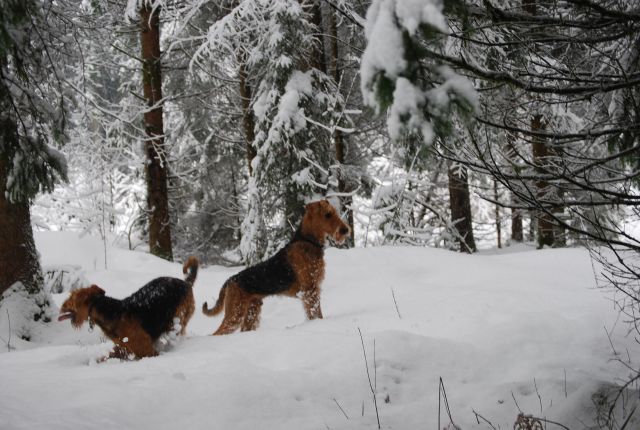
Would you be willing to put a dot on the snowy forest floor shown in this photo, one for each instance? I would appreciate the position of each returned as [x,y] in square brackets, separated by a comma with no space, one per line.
[505,330]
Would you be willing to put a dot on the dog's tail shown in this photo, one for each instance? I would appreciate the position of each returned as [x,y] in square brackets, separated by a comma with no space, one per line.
[219,304]
[190,269]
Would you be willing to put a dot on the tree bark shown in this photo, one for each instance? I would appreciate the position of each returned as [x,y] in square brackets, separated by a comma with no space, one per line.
[496,197]
[18,255]
[516,223]
[317,59]
[461,209]
[155,148]
[248,122]
[540,152]
[338,137]
[530,7]
[517,234]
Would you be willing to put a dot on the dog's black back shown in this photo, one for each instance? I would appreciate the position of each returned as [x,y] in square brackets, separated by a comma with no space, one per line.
[271,276]
[154,305]
[274,275]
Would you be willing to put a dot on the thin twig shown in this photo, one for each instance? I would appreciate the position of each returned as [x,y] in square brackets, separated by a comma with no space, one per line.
[537,393]
[342,410]
[626,422]
[442,393]
[9,341]
[478,417]
[439,404]
[610,342]
[375,368]
[395,302]
[516,402]
[544,420]
[373,391]
[565,384]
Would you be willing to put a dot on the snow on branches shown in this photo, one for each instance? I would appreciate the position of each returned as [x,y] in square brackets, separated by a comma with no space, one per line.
[33,101]
[396,75]
[294,108]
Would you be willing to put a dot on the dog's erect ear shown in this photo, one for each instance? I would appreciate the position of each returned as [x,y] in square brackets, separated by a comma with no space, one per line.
[94,289]
[313,207]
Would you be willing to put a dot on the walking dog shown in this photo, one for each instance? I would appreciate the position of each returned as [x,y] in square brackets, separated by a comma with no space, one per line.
[135,323]
[297,270]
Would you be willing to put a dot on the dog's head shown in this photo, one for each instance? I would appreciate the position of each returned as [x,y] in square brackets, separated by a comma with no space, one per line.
[321,220]
[77,306]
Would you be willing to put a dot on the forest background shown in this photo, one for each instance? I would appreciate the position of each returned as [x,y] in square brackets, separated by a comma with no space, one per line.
[200,127]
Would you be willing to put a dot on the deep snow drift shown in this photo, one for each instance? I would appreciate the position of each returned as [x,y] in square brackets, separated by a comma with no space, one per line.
[499,328]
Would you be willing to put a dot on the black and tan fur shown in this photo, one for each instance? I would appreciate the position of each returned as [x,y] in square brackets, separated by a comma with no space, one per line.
[135,323]
[297,270]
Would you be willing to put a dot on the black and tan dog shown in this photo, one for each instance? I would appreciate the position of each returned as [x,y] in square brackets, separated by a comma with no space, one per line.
[135,323]
[297,270]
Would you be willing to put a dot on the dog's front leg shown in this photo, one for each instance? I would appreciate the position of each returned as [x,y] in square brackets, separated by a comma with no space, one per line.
[117,352]
[311,303]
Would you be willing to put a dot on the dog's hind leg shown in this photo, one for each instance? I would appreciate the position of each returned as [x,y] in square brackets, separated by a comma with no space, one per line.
[252,316]
[185,311]
[235,307]
[133,338]
[231,322]
[143,346]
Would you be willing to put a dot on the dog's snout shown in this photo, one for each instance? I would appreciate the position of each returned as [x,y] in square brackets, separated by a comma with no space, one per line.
[344,230]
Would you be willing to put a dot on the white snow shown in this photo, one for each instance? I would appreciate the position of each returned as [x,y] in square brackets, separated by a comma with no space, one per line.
[413,13]
[488,324]
[385,49]
[456,84]
[408,101]
[384,57]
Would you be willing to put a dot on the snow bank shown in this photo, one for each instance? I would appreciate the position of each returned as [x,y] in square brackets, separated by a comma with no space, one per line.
[496,327]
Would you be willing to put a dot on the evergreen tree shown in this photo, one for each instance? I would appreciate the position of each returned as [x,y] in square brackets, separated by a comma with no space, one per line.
[33,106]
[156,166]
[420,95]
[293,105]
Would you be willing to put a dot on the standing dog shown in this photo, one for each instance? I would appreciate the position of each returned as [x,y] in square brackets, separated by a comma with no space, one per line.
[297,270]
[135,323]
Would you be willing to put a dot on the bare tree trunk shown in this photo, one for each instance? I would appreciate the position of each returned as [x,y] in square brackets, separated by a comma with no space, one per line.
[540,151]
[155,148]
[516,224]
[461,208]
[248,122]
[532,225]
[18,256]
[497,213]
[540,156]
[530,6]
[338,137]
[317,58]
[517,234]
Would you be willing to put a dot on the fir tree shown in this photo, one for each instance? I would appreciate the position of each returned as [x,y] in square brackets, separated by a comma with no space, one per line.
[33,116]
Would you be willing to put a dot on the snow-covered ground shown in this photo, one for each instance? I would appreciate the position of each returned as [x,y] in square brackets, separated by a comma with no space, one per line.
[519,325]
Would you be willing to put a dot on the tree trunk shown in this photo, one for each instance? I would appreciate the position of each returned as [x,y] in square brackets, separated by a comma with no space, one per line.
[248,122]
[516,224]
[317,58]
[496,197]
[540,155]
[461,209]
[338,137]
[530,7]
[155,148]
[18,255]
[517,234]
[540,151]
